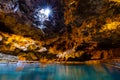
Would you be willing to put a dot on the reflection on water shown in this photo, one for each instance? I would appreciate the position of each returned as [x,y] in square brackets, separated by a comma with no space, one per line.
[36,71]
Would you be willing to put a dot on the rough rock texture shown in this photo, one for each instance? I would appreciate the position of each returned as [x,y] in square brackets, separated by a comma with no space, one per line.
[24,48]
[7,57]
[92,30]
[89,29]
[21,17]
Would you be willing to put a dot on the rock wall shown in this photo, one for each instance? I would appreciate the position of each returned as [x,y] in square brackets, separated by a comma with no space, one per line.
[90,28]
[23,48]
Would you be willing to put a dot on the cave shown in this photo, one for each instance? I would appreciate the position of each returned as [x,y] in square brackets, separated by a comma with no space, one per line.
[54,39]
[68,28]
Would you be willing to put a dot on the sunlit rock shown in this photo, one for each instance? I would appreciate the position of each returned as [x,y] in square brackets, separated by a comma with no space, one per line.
[24,48]
[43,49]
[1,38]
[115,1]
[8,58]
[111,26]
[66,54]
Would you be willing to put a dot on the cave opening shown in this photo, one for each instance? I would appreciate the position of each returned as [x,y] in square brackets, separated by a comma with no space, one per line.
[47,15]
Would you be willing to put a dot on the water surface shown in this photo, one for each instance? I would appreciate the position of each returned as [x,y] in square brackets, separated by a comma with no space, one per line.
[37,71]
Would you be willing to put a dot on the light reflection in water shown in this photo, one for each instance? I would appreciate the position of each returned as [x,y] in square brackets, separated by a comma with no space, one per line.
[37,71]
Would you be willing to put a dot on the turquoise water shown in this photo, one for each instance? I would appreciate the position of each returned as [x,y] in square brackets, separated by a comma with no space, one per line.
[36,71]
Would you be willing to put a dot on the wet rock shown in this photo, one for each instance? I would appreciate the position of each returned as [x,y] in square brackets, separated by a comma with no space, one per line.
[8,57]
[97,55]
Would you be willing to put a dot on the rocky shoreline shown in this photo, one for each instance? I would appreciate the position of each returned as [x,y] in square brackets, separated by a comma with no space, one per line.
[7,58]
[54,62]
[110,62]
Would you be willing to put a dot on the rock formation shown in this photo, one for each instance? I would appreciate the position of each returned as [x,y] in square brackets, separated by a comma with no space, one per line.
[76,30]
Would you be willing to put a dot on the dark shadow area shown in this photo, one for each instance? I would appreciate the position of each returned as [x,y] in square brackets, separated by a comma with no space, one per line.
[84,57]
[4,28]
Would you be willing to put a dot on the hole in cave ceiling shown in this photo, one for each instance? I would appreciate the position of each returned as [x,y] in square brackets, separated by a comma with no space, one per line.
[46,15]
